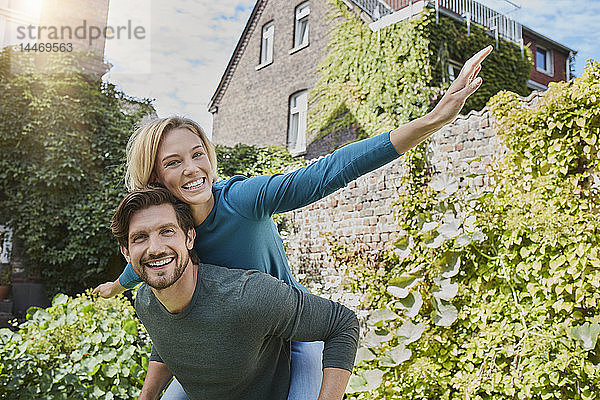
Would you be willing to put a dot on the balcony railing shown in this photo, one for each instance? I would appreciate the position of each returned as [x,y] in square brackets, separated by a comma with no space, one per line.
[470,10]
[485,16]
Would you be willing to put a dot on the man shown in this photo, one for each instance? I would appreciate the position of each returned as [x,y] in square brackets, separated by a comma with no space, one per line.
[224,333]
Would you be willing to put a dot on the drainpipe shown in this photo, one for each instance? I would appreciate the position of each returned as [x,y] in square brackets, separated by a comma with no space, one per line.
[568,67]
[467,16]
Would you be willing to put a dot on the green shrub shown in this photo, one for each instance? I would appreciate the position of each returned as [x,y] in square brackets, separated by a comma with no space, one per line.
[79,348]
[494,294]
[377,81]
[62,140]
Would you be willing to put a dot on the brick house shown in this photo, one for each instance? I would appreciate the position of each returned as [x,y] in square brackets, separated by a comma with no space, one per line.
[261,98]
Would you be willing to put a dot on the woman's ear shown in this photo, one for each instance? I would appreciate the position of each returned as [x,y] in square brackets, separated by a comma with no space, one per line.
[153,177]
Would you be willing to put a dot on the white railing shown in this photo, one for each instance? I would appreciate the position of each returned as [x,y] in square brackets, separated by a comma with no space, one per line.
[498,23]
[485,16]
[374,8]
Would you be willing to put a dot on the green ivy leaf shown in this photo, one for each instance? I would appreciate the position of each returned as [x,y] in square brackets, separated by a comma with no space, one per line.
[404,247]
[375,337]
[398,355]
[381,315]
[447,290]
[445,314]
[444,182]
[586,335]
[452,264]
[411,304]
[410,332]
[363,354]
[400,287]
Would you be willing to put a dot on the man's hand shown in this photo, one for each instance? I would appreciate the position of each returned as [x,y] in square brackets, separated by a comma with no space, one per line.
[109,289]
[334,384]
[465,85]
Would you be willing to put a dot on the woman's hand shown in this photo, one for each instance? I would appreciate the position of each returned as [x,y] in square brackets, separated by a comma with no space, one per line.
[462,87]
[408,136]
[109,289]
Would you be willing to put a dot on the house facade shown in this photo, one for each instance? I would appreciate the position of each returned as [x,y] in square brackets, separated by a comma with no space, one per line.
[264,88]
[261,98]
[29,22]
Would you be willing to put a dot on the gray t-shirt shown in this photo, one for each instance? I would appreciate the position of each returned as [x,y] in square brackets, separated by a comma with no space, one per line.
[233,340]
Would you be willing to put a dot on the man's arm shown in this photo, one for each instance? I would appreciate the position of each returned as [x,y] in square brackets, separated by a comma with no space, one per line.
[156,379]
[334,383]
[288,313]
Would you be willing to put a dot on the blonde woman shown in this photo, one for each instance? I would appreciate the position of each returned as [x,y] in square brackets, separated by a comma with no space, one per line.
[234,226]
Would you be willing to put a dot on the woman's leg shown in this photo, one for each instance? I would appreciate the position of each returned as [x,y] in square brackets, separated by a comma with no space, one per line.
[174,392]
[306,370]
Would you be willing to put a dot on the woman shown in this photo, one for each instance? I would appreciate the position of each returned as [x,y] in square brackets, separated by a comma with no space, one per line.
[233,220]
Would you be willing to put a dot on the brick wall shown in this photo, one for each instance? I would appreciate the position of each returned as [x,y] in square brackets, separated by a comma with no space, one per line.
[73,14]
[559,61]
[363,212]
[255,104]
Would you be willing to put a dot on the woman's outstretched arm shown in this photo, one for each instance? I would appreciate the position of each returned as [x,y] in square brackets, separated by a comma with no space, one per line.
[263,196]
[109,289]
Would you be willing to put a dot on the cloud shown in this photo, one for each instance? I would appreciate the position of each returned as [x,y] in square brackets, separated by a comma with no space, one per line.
[190,44]
[571,23]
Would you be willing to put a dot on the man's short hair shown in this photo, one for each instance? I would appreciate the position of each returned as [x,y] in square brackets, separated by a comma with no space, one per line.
[141,199]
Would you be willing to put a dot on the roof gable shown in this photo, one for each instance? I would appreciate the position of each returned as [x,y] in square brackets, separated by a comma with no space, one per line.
[237,54]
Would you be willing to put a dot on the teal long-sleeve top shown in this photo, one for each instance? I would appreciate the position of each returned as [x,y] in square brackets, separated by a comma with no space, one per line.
[239,232]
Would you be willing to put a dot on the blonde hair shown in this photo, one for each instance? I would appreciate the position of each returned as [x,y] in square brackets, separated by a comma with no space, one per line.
[142,148]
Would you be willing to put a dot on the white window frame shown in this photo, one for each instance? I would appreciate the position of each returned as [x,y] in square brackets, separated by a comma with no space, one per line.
[453,70]
[266,44]
[302,16]
[297,123]
[549,61]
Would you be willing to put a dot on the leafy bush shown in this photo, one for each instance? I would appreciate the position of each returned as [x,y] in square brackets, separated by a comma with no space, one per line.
[79,348]
[249,160]
[62,140]
[494,294]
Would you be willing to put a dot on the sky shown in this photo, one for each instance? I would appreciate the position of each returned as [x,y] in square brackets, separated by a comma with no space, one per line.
[188,43]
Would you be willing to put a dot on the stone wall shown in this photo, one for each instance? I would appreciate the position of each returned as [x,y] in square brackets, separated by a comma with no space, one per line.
[363,212]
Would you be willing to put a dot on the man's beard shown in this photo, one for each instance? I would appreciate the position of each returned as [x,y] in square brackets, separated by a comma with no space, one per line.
[164,281]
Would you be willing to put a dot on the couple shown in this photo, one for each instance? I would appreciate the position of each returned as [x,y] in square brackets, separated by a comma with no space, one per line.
[243,354]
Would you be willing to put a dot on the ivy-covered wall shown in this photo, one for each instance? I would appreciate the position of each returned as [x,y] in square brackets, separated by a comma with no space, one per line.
[378,82]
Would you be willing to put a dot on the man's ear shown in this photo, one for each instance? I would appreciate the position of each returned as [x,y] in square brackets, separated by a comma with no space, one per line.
[190,237]
[125,253]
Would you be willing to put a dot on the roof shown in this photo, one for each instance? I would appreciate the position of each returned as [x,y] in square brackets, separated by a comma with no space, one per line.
[237,54]
[537,35]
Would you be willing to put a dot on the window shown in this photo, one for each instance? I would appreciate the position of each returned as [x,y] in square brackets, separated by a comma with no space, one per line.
[301,27]
[453,70]
[297,127]
[266,48]
[543,60]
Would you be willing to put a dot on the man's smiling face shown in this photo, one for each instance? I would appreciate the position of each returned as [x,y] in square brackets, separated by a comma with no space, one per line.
[157,247]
